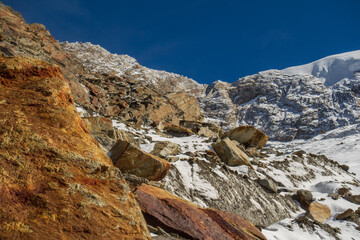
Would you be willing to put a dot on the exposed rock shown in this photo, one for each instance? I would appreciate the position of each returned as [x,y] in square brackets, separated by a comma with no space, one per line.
[248,136]
[353,198]
[318,211]
[205,129]
[343,191]
[178,131]
[98,124]
[164,149]
[188,220]
[347,214]
[345,167]
[56,183]
[268,185]
[189,105]
[230,154]
[304,197]
[334,196]
[131,159]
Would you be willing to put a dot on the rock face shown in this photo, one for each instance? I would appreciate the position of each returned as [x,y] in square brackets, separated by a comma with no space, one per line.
[248,136]
[130,159]
[190,221]
[319,212]
[54,178]
[230,154]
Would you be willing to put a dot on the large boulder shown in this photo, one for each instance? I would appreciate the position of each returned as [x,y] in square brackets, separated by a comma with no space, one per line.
[55,182]
[230,154]
[176,215]
[318,211]
[164,149]
[178,131]
[129,158]
[248,136]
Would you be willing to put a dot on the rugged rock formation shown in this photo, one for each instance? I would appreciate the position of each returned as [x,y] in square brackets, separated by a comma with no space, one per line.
[248,136]
[55,182]
[131,159]
[177,215]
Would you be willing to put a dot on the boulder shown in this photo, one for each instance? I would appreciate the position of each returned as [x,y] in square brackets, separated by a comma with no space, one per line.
[177,215]
[304,197]
[353,198]
[343,191]
[178,131]
[230,154]
[130,159]
[248,136]
[55,182]
[347,214]
[318,211]
[187,104]
[202,128]
[268,185]
[164,149]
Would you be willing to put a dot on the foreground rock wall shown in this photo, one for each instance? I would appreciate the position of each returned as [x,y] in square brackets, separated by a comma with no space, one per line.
[55,182]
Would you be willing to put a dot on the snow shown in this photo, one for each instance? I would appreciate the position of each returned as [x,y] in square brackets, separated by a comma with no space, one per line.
[331,69]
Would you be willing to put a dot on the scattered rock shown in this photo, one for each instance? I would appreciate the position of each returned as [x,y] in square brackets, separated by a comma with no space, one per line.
[347,214]
[268,185]
[186,219]
[343,191]
[203,129]
[131,159]
[178,131]
[164,149]
[334,196]
[352,198]
[230,154]
[248,135]
[345,167]
[318,211]
[304,197]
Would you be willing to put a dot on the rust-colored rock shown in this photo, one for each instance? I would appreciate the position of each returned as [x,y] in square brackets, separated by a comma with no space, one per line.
[55,182]
[248,135]
[98,124]
[318,211]
[230,154]
[131,159]
[177,215]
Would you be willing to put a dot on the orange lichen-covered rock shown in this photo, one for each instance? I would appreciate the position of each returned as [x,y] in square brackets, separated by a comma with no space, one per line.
[188,220]
[248,136]
[55,182]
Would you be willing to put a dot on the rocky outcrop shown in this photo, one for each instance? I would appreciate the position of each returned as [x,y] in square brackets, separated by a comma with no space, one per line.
[249,136]
[230,154]
[179,216]
[55,182]
[188,105]
[131,159]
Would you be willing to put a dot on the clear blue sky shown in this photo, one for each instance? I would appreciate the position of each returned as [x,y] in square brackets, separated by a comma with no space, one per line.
[205,40]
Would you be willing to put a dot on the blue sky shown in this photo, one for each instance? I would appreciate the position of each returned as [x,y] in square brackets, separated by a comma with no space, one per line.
[205,40]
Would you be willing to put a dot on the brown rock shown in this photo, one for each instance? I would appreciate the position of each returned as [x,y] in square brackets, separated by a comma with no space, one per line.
[304,197]
[347,214]
[248,135]
[202,128]
[98,124]
[188,105]
[55,182]
[352,198]
[130,159]
[230,154]
[178,131]
[186,219]
[343,191]
[318,211]
[164,149]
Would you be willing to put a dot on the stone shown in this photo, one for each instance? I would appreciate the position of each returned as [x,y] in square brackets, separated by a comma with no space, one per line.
[205,129]
[345,167]
[268,185]
[98,124]
[230,154]
[334,196]
[187,104]
[178,131]
[56,183]
[164,149]
[343,191]
[318,211]
[130,159]
[347,214]
[248,136]
[177,215]
[304,197]
[352,198]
